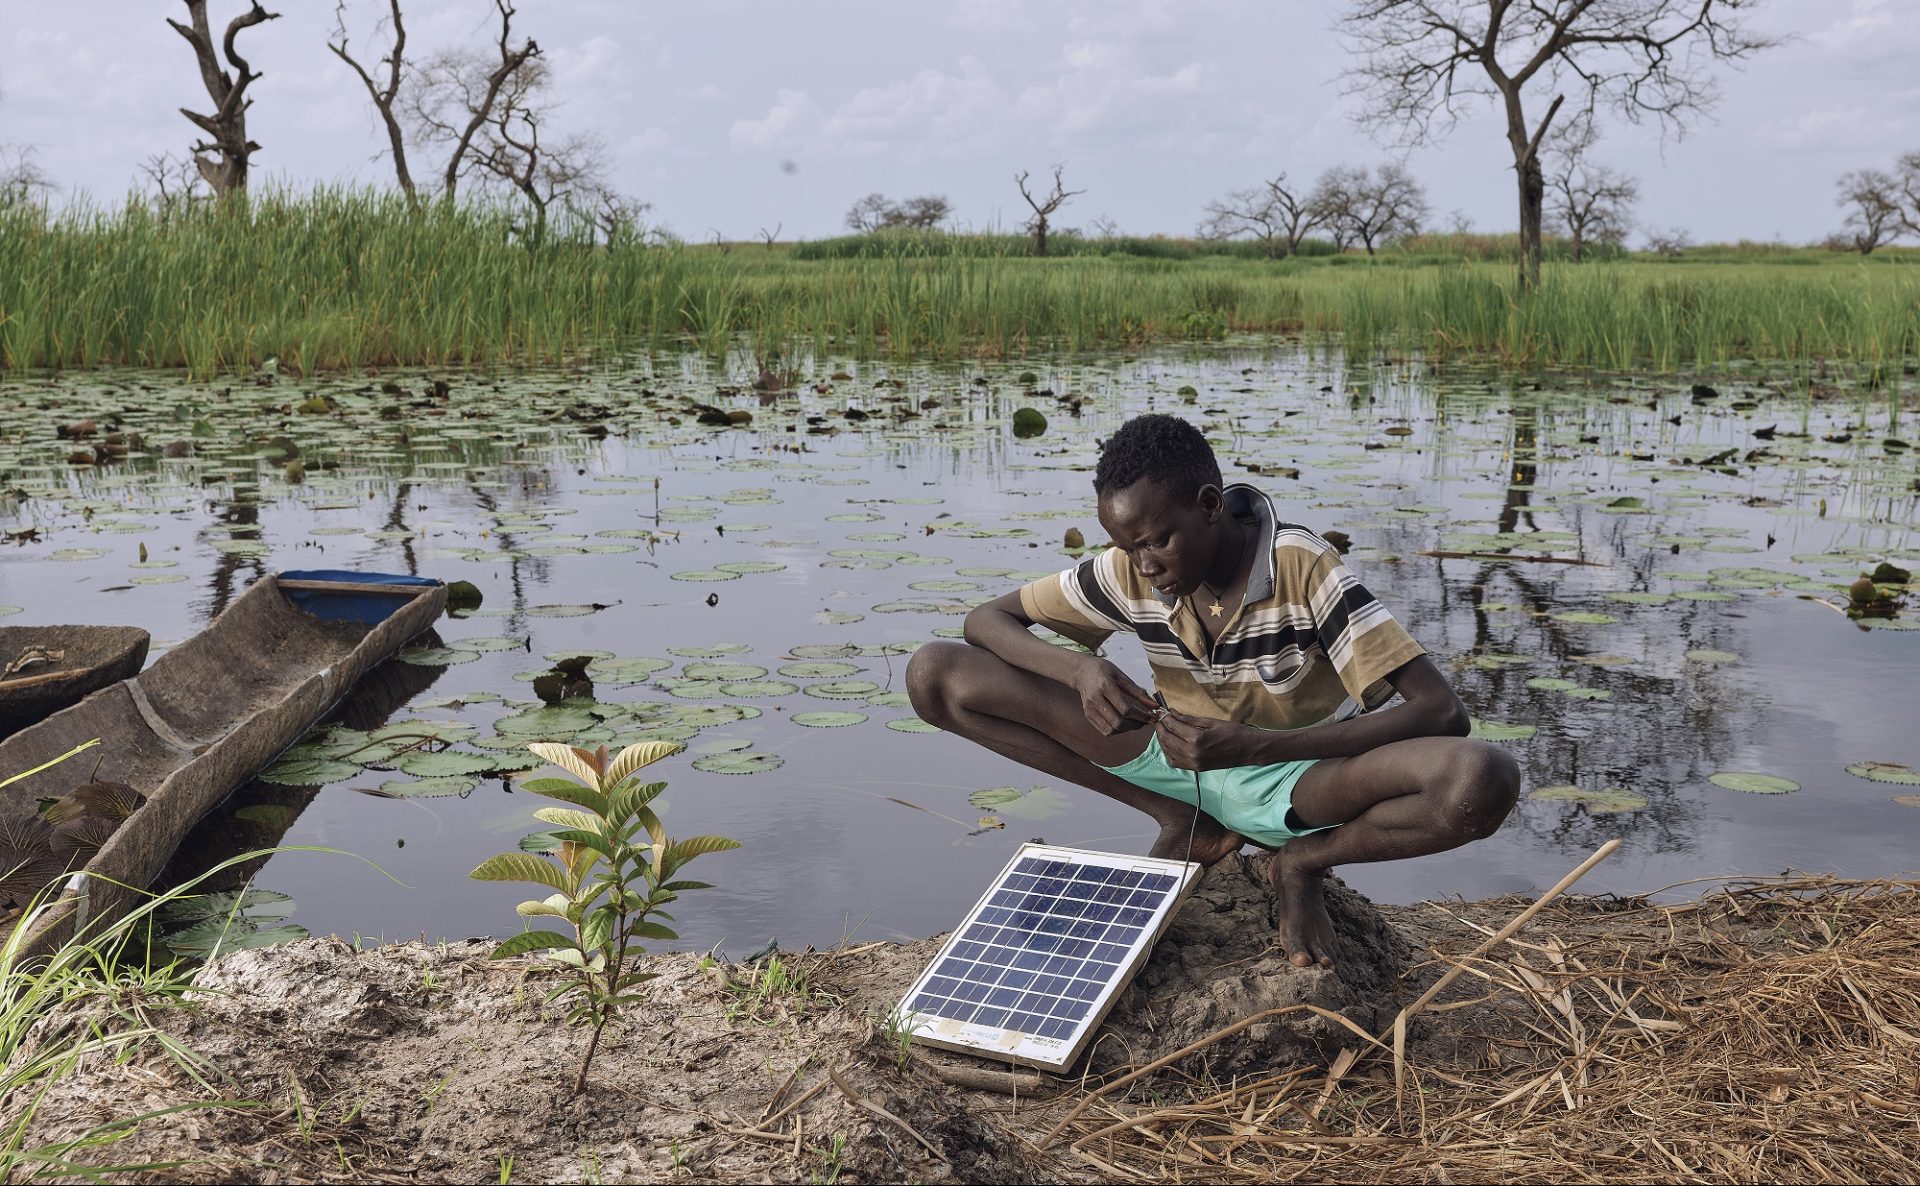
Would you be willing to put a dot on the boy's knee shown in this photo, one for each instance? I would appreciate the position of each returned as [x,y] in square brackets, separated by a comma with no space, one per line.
[1482,785]
[930,679]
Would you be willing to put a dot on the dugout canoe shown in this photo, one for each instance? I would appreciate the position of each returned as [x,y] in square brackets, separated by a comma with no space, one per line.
[44,669]
[206,716]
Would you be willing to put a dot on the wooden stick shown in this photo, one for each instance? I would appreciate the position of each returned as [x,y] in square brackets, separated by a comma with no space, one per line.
[866,1104]
[1526,556]
[1399,1027]
[979,1079]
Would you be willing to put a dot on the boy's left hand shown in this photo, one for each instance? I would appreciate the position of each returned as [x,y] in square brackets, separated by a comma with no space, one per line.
[1200,743]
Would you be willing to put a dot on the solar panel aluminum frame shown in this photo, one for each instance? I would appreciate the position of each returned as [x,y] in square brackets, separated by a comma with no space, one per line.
[1024,1049]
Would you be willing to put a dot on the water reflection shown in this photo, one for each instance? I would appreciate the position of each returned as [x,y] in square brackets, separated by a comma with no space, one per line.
[1461,488]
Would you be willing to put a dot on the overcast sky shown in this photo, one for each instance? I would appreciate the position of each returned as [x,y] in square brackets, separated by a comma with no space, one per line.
[734,116]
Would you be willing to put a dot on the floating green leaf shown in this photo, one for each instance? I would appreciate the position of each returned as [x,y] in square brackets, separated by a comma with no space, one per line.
[1893,772]
[739,762]
[1753,783]
[851,689]
[1704,655]
[1495,731]
[437,786]
[1032,803]
[821,670]
[828,720]
[1603,801]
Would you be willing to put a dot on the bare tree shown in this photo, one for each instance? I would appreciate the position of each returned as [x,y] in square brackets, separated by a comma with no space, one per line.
[177,184]
[383,95]
[1045,206]
[1594,202]
[869,214]
[877,212]
[460,94]
[925,212]
[1274,214]
[769,236]
[1872,200]
[1105,227]
[22,180]
[1370,207]
[1671,243]
[1907,177]
[1420,58]
[223,156]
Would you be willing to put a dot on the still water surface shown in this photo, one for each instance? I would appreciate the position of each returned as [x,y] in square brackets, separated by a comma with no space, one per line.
[1688,645]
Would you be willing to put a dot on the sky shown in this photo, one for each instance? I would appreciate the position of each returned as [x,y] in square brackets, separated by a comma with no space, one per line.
[736,117]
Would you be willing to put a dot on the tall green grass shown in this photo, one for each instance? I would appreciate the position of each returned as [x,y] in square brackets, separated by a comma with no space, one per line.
[335,279]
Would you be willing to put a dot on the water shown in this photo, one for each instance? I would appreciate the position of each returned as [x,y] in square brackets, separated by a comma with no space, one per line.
[866,830]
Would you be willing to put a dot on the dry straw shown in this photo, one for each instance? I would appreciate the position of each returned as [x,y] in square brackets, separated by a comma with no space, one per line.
[1769,1031]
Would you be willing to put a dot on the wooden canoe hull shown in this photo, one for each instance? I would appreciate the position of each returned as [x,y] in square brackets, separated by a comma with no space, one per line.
[91,658]
[207,715]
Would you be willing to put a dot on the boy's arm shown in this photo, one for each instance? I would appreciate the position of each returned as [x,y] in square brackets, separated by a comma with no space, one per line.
[1113,703]
[1430,709]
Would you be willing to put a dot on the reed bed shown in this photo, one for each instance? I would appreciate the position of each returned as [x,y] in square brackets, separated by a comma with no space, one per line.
[1767,1032]
[335,279]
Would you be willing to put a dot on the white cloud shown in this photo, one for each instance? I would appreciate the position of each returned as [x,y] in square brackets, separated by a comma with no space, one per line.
[787,125]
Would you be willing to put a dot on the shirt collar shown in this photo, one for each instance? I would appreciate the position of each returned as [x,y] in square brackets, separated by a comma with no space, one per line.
[1249,503]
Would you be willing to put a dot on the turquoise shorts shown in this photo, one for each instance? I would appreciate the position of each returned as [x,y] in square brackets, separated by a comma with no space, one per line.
[1255,801]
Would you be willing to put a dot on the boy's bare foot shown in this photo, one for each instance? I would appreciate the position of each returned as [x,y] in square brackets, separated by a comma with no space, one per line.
[1211,841]
[1306,931]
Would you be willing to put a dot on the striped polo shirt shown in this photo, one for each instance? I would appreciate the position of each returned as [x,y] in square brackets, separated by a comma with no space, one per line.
[1309,644]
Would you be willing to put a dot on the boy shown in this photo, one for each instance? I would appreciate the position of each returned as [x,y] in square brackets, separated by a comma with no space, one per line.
[1268,653]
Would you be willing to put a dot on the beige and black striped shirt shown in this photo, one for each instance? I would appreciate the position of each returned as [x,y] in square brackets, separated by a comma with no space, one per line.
[1308,644]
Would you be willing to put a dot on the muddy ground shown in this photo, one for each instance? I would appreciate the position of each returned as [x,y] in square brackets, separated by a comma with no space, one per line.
[416,1062]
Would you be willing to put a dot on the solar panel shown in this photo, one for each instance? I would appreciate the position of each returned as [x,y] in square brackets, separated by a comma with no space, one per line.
[1041,957]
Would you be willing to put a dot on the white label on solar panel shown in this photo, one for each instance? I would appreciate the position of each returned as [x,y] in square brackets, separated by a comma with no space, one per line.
[1042,956]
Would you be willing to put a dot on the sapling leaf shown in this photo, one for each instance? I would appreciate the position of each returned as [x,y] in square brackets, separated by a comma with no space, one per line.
[520,866]
[568,759]
[560,816]
[567,792]
[534,941]
[678,886]
[651,930]
[686,850]
[541,909]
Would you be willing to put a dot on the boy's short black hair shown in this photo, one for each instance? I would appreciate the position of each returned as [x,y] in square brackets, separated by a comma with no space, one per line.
[1164,448]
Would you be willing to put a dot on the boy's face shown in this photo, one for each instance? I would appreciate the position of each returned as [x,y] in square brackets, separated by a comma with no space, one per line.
[1170,540]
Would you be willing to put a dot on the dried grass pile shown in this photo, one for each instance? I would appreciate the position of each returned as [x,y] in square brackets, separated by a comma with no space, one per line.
[1769,1031]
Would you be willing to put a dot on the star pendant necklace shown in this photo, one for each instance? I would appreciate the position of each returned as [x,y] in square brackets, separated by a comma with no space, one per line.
[1216,609]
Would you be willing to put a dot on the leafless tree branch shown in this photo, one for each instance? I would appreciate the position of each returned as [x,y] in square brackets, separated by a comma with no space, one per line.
[1045,205]
[1421,61]
[383,96]
[223,156]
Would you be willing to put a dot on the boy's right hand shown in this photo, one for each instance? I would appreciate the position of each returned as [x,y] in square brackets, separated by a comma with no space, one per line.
[1113,703]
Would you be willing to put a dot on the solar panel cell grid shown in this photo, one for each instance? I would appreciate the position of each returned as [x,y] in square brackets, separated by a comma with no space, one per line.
[1043,947]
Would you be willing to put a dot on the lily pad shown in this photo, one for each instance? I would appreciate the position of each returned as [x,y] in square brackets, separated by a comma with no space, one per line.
[1707,655]
[819,670]
[445,764]
[440,786]
[722,671]
[1496,731]
[828,719]
[739,762]
[1033,803]
[1604,801]
[1893,772]
[849,689]
[308,772]
[912,725]
[1753,783]
[1583,618]
[705,574]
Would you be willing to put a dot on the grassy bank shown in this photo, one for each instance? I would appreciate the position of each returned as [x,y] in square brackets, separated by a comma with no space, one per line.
[338,279]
